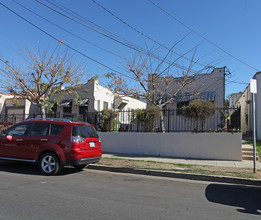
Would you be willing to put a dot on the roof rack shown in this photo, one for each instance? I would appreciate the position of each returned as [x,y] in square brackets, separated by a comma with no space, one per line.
[50,119]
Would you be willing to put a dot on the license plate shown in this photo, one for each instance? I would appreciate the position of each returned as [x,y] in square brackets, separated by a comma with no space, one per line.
[92,144]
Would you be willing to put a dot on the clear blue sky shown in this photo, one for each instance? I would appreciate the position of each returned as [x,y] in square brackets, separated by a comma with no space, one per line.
[233,25]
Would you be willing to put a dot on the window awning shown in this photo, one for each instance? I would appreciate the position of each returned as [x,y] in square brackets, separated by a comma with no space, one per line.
[66,103]
[120,102]
[183,97]
[207,96]
[70,102]
[83,102]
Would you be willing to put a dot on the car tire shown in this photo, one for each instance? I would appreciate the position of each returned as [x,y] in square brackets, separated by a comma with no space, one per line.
[49,164]
[80,167]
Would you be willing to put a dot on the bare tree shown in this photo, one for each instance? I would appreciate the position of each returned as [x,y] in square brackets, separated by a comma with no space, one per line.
[41,75]
[160,80]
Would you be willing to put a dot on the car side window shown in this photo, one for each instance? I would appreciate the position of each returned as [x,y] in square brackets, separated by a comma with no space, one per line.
[18,130]
[56,129]
[40,129]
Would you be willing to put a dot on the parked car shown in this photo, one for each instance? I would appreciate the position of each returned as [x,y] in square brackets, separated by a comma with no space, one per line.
[52,143]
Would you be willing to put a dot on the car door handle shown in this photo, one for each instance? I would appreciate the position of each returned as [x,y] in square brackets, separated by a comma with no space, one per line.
[19,139]
[44,139]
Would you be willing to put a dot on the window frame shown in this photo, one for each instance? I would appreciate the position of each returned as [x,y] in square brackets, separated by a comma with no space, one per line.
[32,126]
[14,127]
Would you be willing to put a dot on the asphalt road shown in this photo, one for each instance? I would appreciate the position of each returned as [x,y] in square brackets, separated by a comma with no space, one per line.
[90,194]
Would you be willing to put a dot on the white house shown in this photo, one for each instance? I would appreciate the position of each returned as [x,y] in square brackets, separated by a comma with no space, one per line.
[94,98]
[233,99]
[208,87]
[3,97]
[245,105]
[15,109]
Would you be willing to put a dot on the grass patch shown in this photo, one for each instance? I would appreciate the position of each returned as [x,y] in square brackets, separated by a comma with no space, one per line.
[182,168]
[147,161]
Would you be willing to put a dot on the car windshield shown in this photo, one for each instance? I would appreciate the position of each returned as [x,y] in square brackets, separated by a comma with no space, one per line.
[84,131]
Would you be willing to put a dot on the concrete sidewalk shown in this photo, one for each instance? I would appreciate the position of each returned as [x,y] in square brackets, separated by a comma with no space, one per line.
[182,175]
[221,163]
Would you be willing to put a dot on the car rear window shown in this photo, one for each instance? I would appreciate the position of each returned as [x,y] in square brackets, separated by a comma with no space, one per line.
[84,131]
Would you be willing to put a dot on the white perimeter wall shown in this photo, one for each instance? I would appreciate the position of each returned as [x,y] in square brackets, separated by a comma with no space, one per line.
[216,146]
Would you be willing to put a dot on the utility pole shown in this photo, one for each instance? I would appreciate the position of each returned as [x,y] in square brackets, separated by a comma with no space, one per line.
[253,90]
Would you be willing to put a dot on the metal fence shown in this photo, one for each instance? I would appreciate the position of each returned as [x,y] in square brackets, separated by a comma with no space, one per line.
[173,120]
[128,121]
[7,120]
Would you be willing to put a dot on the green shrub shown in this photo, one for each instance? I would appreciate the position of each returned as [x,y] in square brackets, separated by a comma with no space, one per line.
[199,110]
[108,120]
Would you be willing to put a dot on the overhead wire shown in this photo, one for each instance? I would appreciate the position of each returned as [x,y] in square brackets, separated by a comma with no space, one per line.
[67,31]
[68,46]
[143,34]
[127,44]
[146,36]
[65,44]
[77,16]
[203,37]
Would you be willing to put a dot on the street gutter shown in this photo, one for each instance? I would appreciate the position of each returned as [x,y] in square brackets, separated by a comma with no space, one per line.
[171,174]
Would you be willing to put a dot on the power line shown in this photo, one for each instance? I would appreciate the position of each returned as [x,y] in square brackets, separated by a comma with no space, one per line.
[141,33]
[71,33]
[237,82]
[197,33]
[127,44]
[133,46]
[67,45]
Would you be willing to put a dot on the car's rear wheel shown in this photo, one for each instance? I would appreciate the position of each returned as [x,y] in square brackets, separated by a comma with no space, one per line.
[49,164]
[80,167]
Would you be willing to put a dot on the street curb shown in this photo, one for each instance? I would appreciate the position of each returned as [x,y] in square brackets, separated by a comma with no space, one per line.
[210,178]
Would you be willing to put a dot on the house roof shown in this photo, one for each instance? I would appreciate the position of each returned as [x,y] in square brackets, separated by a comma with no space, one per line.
[3,93]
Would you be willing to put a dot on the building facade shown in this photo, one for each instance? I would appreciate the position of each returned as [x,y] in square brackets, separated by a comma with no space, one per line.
[209,87]
[245,105]
[94,98]
[206,87]
[15,109]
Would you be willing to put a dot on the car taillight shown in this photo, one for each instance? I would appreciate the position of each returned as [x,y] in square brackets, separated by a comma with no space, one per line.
[77,139]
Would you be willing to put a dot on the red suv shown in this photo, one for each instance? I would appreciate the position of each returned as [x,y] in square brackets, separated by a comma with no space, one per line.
[52,143]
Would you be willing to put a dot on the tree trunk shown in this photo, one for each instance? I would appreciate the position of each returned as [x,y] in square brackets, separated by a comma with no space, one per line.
[42,109]
[162,126]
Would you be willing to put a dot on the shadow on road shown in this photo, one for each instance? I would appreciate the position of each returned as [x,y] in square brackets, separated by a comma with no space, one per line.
[30,168]
[245,197]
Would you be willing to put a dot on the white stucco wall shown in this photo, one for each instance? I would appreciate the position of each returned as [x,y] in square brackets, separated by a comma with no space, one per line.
[245,104]
[213,82]
[102,94]
[134,104]
[216,146]
[3,97]
[233,99]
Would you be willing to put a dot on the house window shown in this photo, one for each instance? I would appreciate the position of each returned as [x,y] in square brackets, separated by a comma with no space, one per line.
[67,111]
[83,110]
[105,105]
[246,116]
[98,105]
